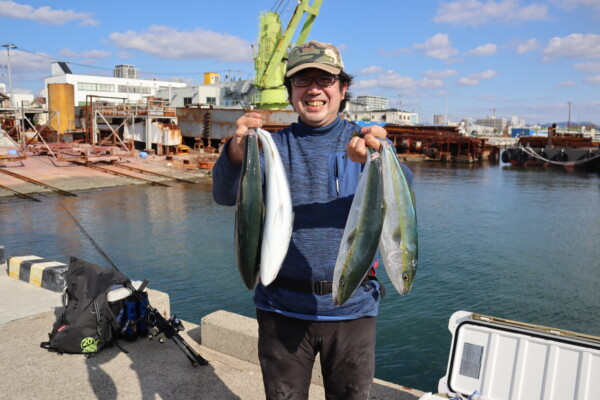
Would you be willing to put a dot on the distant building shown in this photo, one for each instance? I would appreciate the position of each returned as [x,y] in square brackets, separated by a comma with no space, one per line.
[390,116]
[497,124]
[373,102]
[439,119]
[515,122]
[234,94]
[126,71]
[109,89]
[20,97]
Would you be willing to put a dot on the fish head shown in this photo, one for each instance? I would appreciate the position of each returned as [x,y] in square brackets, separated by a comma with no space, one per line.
[409,271]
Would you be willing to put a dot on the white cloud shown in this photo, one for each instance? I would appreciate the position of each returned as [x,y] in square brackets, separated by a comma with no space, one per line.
[589,67]
[566,83]
[388,80]
[475,12]
[23,63]
[429,83]
[485,50]
[371,70]
[489,74]
[45,14]
[169,43]
[594,80]
[440,74]
[576,45]
[93,54]
[475,79]
[527,46]
[437,46]
[391,80]
[466,81]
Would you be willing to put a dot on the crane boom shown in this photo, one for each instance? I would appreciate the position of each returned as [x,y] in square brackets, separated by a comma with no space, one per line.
[272,52]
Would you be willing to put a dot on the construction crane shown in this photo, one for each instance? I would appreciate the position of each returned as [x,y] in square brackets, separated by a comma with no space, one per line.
[271,56]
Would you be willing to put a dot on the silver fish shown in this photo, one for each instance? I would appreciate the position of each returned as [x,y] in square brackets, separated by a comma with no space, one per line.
[279,218]
[362,232]
[249,213]
[399,238]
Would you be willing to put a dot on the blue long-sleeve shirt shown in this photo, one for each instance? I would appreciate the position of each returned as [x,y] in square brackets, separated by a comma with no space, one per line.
[322,181]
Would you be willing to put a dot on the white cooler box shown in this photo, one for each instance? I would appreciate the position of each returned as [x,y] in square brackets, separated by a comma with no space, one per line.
[498,359]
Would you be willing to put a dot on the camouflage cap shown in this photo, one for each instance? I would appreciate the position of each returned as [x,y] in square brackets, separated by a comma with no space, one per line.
[314,54]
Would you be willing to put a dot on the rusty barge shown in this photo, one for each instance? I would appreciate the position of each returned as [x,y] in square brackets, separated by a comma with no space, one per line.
[560,149]
[209,128]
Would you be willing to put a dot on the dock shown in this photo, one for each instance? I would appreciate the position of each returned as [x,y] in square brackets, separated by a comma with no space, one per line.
[149,370]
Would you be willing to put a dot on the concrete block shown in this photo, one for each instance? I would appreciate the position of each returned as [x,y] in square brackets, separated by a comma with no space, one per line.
[237,336]
[160,301]
[49,275]
[231,334]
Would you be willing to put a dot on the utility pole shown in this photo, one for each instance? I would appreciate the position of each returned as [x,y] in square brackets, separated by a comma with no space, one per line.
[569,121]
[8,47]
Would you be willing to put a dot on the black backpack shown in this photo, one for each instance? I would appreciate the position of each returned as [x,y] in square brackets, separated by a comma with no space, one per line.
[87,323]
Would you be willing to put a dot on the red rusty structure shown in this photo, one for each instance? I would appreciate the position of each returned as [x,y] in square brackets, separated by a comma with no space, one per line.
[439,143]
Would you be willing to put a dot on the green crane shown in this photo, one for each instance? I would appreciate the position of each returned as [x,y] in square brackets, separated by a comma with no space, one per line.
[271,57]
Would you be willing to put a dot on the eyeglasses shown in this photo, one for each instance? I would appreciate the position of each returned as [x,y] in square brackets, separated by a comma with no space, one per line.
[322,81]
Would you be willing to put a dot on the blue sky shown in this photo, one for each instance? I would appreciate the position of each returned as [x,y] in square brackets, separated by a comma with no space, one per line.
[466,58]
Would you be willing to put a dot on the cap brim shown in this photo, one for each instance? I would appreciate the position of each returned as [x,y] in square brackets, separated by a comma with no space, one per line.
[327,68]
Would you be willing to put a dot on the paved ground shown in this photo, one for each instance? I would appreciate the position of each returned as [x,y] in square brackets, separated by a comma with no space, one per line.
[148,371]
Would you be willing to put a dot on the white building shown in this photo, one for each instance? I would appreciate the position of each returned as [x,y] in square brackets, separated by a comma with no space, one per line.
[497,124]
[126,71]
[390,116]
[373,102]
[109,89]
[236,94]
[19,97]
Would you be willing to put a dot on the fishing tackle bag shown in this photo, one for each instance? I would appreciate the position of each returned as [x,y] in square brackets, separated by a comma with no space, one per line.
[87,323]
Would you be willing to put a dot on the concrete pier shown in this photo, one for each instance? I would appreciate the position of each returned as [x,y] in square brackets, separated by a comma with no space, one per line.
[149,370]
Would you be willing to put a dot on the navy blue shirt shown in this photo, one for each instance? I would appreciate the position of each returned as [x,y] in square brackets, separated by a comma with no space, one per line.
[322,181]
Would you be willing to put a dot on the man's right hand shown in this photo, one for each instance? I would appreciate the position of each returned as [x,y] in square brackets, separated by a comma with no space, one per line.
[235,150]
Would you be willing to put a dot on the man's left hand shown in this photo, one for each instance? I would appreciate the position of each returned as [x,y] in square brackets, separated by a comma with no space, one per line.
[357,147]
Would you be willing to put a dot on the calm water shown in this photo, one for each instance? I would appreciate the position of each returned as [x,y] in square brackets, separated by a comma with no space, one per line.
[516,243]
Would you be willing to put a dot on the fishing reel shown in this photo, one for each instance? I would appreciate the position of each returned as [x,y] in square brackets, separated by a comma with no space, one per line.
[174,324]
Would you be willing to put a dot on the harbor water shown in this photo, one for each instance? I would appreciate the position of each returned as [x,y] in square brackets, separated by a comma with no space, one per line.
[511,242]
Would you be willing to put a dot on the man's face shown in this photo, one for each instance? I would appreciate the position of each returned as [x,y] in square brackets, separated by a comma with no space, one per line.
[317,105]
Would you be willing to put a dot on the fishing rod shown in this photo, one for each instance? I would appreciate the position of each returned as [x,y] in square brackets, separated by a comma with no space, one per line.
[170,328]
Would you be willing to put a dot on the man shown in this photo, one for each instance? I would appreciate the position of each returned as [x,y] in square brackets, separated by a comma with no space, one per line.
[323,160]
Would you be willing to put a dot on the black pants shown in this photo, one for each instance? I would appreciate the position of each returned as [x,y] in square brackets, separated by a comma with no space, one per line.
[287,348]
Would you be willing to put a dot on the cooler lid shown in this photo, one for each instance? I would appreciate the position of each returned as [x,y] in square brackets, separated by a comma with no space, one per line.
[509,360]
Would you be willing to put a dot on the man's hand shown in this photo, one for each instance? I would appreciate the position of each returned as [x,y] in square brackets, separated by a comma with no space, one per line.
[357,147]
[235,150]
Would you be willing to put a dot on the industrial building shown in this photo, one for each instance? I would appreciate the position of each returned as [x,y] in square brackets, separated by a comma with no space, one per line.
[390,116]
[111,89]
[213,92]
[373,102]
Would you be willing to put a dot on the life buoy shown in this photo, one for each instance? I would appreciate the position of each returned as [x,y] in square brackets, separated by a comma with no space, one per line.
[522,157]
[506,156]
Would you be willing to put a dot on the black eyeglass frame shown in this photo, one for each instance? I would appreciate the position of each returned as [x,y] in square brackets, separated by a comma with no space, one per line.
[294,80]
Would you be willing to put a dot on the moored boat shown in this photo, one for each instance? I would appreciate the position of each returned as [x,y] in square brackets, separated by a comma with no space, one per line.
[566,151]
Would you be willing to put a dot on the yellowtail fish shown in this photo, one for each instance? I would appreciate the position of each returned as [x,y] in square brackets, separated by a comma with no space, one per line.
[399,237]
[279,217]
[249,213]
[362,231]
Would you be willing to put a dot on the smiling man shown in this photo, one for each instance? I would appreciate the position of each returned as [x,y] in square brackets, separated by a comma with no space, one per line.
[323,160]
